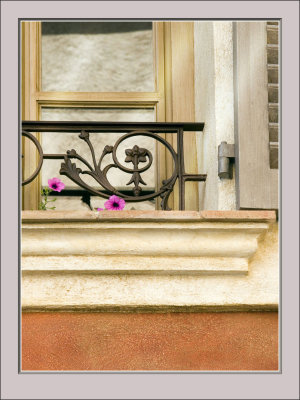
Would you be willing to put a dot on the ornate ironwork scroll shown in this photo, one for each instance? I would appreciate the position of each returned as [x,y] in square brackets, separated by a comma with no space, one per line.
[135,156]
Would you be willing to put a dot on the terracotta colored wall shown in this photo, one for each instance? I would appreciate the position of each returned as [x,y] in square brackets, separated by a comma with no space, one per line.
[172,341]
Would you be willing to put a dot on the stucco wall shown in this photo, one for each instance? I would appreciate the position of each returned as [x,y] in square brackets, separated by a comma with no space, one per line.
[171,341]
[214,106]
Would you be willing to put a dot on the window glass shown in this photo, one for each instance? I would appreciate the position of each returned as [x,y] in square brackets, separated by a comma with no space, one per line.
[97,57]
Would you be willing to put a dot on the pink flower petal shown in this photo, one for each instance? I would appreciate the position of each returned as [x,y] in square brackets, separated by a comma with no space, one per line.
[114,203]
[56,184]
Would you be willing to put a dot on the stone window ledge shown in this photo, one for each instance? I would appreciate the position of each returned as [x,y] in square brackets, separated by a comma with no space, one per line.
[126,215]
[121,259]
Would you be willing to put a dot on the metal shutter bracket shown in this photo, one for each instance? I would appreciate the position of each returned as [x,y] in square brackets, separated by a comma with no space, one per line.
[226,155]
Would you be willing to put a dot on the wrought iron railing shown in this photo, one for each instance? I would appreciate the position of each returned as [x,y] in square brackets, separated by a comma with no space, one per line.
[136,156]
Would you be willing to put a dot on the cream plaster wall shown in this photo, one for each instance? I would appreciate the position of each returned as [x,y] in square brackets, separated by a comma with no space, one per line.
[214,106]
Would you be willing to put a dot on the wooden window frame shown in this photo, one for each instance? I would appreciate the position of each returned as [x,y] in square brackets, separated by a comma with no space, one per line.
[173,98]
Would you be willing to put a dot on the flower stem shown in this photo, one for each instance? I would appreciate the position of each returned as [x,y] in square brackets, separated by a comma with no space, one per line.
[43,205]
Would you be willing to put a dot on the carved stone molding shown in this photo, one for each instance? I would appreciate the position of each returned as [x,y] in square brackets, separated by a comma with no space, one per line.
[106,260]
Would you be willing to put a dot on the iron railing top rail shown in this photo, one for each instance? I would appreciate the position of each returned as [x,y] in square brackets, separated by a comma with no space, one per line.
[77,126]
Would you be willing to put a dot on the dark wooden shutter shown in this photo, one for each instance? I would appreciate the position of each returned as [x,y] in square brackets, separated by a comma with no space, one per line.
[273,66]
[256,119]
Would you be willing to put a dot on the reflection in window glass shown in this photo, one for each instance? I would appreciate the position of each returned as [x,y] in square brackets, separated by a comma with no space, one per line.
[61,142]
[97,56]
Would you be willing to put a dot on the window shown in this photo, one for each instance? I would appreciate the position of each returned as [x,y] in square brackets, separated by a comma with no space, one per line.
[96,70]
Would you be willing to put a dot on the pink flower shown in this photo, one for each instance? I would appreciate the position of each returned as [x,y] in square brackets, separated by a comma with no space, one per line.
[114,203]
[56,184]
[100,209]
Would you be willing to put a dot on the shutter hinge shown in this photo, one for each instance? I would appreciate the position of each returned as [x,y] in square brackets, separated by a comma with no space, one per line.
[226,156]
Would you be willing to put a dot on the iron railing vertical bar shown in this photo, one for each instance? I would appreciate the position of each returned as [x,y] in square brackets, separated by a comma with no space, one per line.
[180,151]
